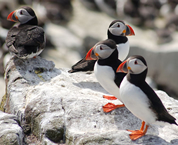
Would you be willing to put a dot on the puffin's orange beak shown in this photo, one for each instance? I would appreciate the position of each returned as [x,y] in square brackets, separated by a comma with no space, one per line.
[12,17]
[91,55]
[122,67]
[129,31]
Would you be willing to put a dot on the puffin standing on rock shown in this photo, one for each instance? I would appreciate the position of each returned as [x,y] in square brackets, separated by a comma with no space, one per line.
[117,31]
[25,40]
[106,54]
[139,97]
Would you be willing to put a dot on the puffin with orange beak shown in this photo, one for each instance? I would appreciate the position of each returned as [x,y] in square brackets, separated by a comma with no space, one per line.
[139,97]
[26,39]
[106,54]
[117,31]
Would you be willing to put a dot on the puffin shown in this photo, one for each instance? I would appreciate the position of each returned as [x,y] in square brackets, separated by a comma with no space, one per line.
[139,97]
[26,39]
[117,29]
[106,54]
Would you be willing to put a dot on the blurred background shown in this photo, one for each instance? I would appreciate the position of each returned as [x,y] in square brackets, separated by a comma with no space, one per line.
[72,27]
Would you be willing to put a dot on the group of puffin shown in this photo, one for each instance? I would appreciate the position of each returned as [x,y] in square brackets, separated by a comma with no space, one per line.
[125,80]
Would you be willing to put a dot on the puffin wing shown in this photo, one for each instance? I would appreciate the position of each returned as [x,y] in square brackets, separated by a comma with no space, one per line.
[83,65]
[35,36]
[24,37]
[156,104]
[10,39]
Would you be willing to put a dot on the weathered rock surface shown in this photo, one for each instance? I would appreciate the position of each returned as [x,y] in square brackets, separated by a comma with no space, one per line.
[56,107]
[10,131]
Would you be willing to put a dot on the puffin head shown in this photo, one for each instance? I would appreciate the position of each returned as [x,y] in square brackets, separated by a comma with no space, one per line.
[24,15]
[101,50]
[119,28]
[133,65]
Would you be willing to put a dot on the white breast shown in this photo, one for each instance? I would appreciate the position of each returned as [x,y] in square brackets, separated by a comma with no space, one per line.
[123,50]
[105,76]
[136,101]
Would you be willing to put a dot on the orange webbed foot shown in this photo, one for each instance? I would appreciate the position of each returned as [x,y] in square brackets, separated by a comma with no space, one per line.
[110,106]
[135,134]
[133,131]
[109,97]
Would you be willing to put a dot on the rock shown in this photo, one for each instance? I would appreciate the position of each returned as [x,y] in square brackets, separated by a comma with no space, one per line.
[88,43]
[10,131]
[90,4]
[107,6]
[55,107]
[164,36]
[66,44]
[58,12]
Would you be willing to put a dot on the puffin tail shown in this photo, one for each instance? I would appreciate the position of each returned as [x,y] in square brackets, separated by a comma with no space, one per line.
[169,118]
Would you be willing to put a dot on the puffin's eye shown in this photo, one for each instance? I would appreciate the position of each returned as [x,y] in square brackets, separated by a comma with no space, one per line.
[21,12]
[101,48]
[118,25]
[135,62]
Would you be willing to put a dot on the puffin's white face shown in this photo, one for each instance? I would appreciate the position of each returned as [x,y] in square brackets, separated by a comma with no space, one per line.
[23,16]
[103,51]
[136,66]
[118,28]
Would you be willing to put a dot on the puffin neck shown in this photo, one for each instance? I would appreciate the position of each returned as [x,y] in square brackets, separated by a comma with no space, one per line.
[33,21]
[111,59]
[117,39]
[137,79]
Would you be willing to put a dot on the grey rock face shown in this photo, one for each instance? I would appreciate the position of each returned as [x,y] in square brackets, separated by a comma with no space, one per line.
[57,107]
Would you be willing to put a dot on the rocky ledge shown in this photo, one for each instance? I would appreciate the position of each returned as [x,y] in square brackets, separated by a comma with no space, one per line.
[46,105]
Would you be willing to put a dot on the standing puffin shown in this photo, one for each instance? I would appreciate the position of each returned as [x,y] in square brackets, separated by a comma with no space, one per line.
[139,97]
[25,40]
[106,54]
[117,31]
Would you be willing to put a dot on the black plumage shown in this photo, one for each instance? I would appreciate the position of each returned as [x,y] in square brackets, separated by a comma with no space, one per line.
[25,40]
[88,65]
[139,97]
[155,103]
[83,65]
[113,62]
[106,54]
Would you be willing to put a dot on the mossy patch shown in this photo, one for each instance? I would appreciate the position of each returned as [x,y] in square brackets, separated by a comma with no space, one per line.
[38,71]
[3,102]
[55,135]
